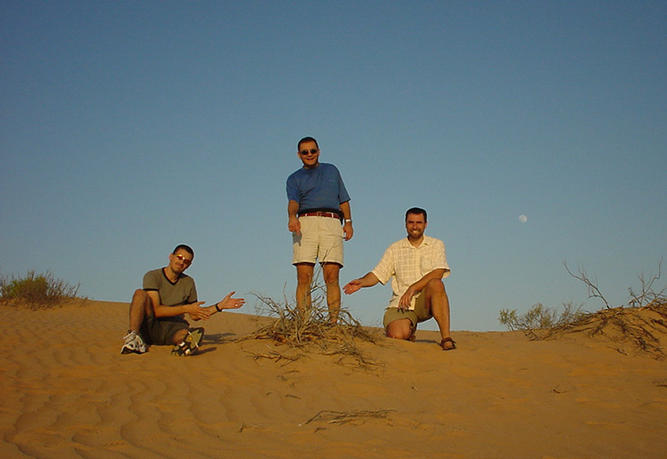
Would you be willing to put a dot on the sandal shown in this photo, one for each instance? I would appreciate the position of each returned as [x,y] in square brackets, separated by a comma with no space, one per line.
[190,343]
[448,340]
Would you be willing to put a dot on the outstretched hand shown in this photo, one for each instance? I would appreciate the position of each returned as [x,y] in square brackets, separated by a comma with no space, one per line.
[352,286]
[231,303]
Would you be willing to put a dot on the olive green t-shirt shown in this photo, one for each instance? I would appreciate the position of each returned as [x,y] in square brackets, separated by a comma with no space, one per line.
[178,293]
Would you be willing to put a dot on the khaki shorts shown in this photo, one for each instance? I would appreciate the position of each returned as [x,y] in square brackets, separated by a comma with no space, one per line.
[161,331]
[321,239]
[420,314]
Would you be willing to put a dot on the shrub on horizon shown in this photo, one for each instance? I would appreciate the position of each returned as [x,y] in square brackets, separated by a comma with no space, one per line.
[540,317]
[36,290]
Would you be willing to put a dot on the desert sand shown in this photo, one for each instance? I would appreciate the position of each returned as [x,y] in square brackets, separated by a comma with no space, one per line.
[68,392]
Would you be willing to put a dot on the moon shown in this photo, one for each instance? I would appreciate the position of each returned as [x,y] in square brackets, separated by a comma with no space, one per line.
[523,218]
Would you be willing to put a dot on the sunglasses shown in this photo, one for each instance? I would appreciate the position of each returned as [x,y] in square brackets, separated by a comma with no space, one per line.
[183,259]
[305,152]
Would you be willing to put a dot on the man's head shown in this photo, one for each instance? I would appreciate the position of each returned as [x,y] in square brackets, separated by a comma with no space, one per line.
[309,152]
[181,258]
[415,222]
[416,211]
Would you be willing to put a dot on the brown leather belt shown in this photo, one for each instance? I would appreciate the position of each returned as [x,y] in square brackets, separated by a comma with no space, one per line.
[320,214]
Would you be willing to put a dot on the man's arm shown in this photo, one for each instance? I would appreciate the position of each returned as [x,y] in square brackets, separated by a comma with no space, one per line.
[293,224]
[368,280]
[193,309]
[347,218]
[404,302]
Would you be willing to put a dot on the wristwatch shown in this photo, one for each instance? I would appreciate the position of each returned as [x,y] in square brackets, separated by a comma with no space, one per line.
[348,220]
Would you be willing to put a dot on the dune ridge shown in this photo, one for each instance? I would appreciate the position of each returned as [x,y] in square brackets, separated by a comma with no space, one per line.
[67,391]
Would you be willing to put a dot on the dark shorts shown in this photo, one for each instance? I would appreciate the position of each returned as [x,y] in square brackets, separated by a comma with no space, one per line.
[419,314]
[161,331]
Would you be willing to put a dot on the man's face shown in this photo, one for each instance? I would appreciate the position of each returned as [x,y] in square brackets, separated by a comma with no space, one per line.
[180,261]
[415,225]
[311,156]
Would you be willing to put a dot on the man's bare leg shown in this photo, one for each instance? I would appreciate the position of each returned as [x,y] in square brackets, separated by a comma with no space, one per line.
[399,329]
[331,272]
[140,307]
[179,336]
[436,297]
[304,279]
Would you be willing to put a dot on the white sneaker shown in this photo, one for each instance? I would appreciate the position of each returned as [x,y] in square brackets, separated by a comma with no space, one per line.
[133,343]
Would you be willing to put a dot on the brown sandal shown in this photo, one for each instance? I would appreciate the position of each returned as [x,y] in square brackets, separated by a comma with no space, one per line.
[448,340]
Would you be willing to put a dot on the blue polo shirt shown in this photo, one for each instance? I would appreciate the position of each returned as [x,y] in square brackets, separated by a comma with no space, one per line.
[318,188]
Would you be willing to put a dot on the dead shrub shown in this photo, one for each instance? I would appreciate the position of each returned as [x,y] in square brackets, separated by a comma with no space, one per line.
[312,332]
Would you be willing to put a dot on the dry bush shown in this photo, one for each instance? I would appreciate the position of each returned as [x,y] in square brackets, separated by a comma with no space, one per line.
[540,320]
[640,322]
[36,290]
[312,332]
[642,327]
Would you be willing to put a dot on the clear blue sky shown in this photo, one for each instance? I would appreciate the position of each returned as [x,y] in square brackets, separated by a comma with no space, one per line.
[129,127]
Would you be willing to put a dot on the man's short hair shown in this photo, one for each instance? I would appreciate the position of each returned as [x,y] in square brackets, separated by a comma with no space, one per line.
[187,248]
[306,139]
[416,211]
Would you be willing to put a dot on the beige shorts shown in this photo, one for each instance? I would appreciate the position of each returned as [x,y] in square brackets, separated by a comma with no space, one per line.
[321,239]
[421,312]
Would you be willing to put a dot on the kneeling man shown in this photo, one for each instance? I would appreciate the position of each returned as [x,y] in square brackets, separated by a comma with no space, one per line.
[157,312]
[416,266]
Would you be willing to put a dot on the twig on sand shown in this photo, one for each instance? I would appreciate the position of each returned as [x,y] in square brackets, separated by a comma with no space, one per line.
[276,356]
[343,417]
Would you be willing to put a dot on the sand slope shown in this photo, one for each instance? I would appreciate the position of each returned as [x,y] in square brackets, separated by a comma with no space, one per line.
[67,391]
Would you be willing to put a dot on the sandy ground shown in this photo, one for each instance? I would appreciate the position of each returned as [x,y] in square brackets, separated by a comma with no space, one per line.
[68,392]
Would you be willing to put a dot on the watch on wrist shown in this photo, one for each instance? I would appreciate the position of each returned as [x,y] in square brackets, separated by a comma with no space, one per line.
[217,307]
[348,220]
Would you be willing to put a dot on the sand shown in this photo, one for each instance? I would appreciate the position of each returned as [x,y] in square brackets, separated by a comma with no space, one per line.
[68,392]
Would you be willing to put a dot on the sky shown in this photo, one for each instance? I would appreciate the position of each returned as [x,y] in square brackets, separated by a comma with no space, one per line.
[129,127]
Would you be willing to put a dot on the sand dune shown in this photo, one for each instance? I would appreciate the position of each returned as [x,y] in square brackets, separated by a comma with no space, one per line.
[67,391]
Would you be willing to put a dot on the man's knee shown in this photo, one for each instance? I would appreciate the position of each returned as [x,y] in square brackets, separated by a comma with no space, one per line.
[140,296]
[331,280]
[435,286]
[331,272]
[399,329]
[304,274]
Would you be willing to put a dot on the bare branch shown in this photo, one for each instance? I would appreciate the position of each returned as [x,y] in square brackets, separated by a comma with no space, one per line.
[593,290]
[647,294]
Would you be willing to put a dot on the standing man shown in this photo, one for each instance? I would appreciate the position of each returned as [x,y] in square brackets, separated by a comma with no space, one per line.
[318,203]
[157,312]
[416,266]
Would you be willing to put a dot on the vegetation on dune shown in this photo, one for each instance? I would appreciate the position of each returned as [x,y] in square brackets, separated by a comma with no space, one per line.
[640,321]
[313,332]
[540,317]
[36,290]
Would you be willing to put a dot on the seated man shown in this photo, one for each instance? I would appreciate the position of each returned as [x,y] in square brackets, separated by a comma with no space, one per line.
[416,266]
[157,312]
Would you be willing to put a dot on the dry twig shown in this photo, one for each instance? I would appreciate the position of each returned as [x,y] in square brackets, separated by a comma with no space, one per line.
[593,290]
[343,417]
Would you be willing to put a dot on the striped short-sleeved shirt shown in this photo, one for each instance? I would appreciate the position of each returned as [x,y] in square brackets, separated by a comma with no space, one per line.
[405,264]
